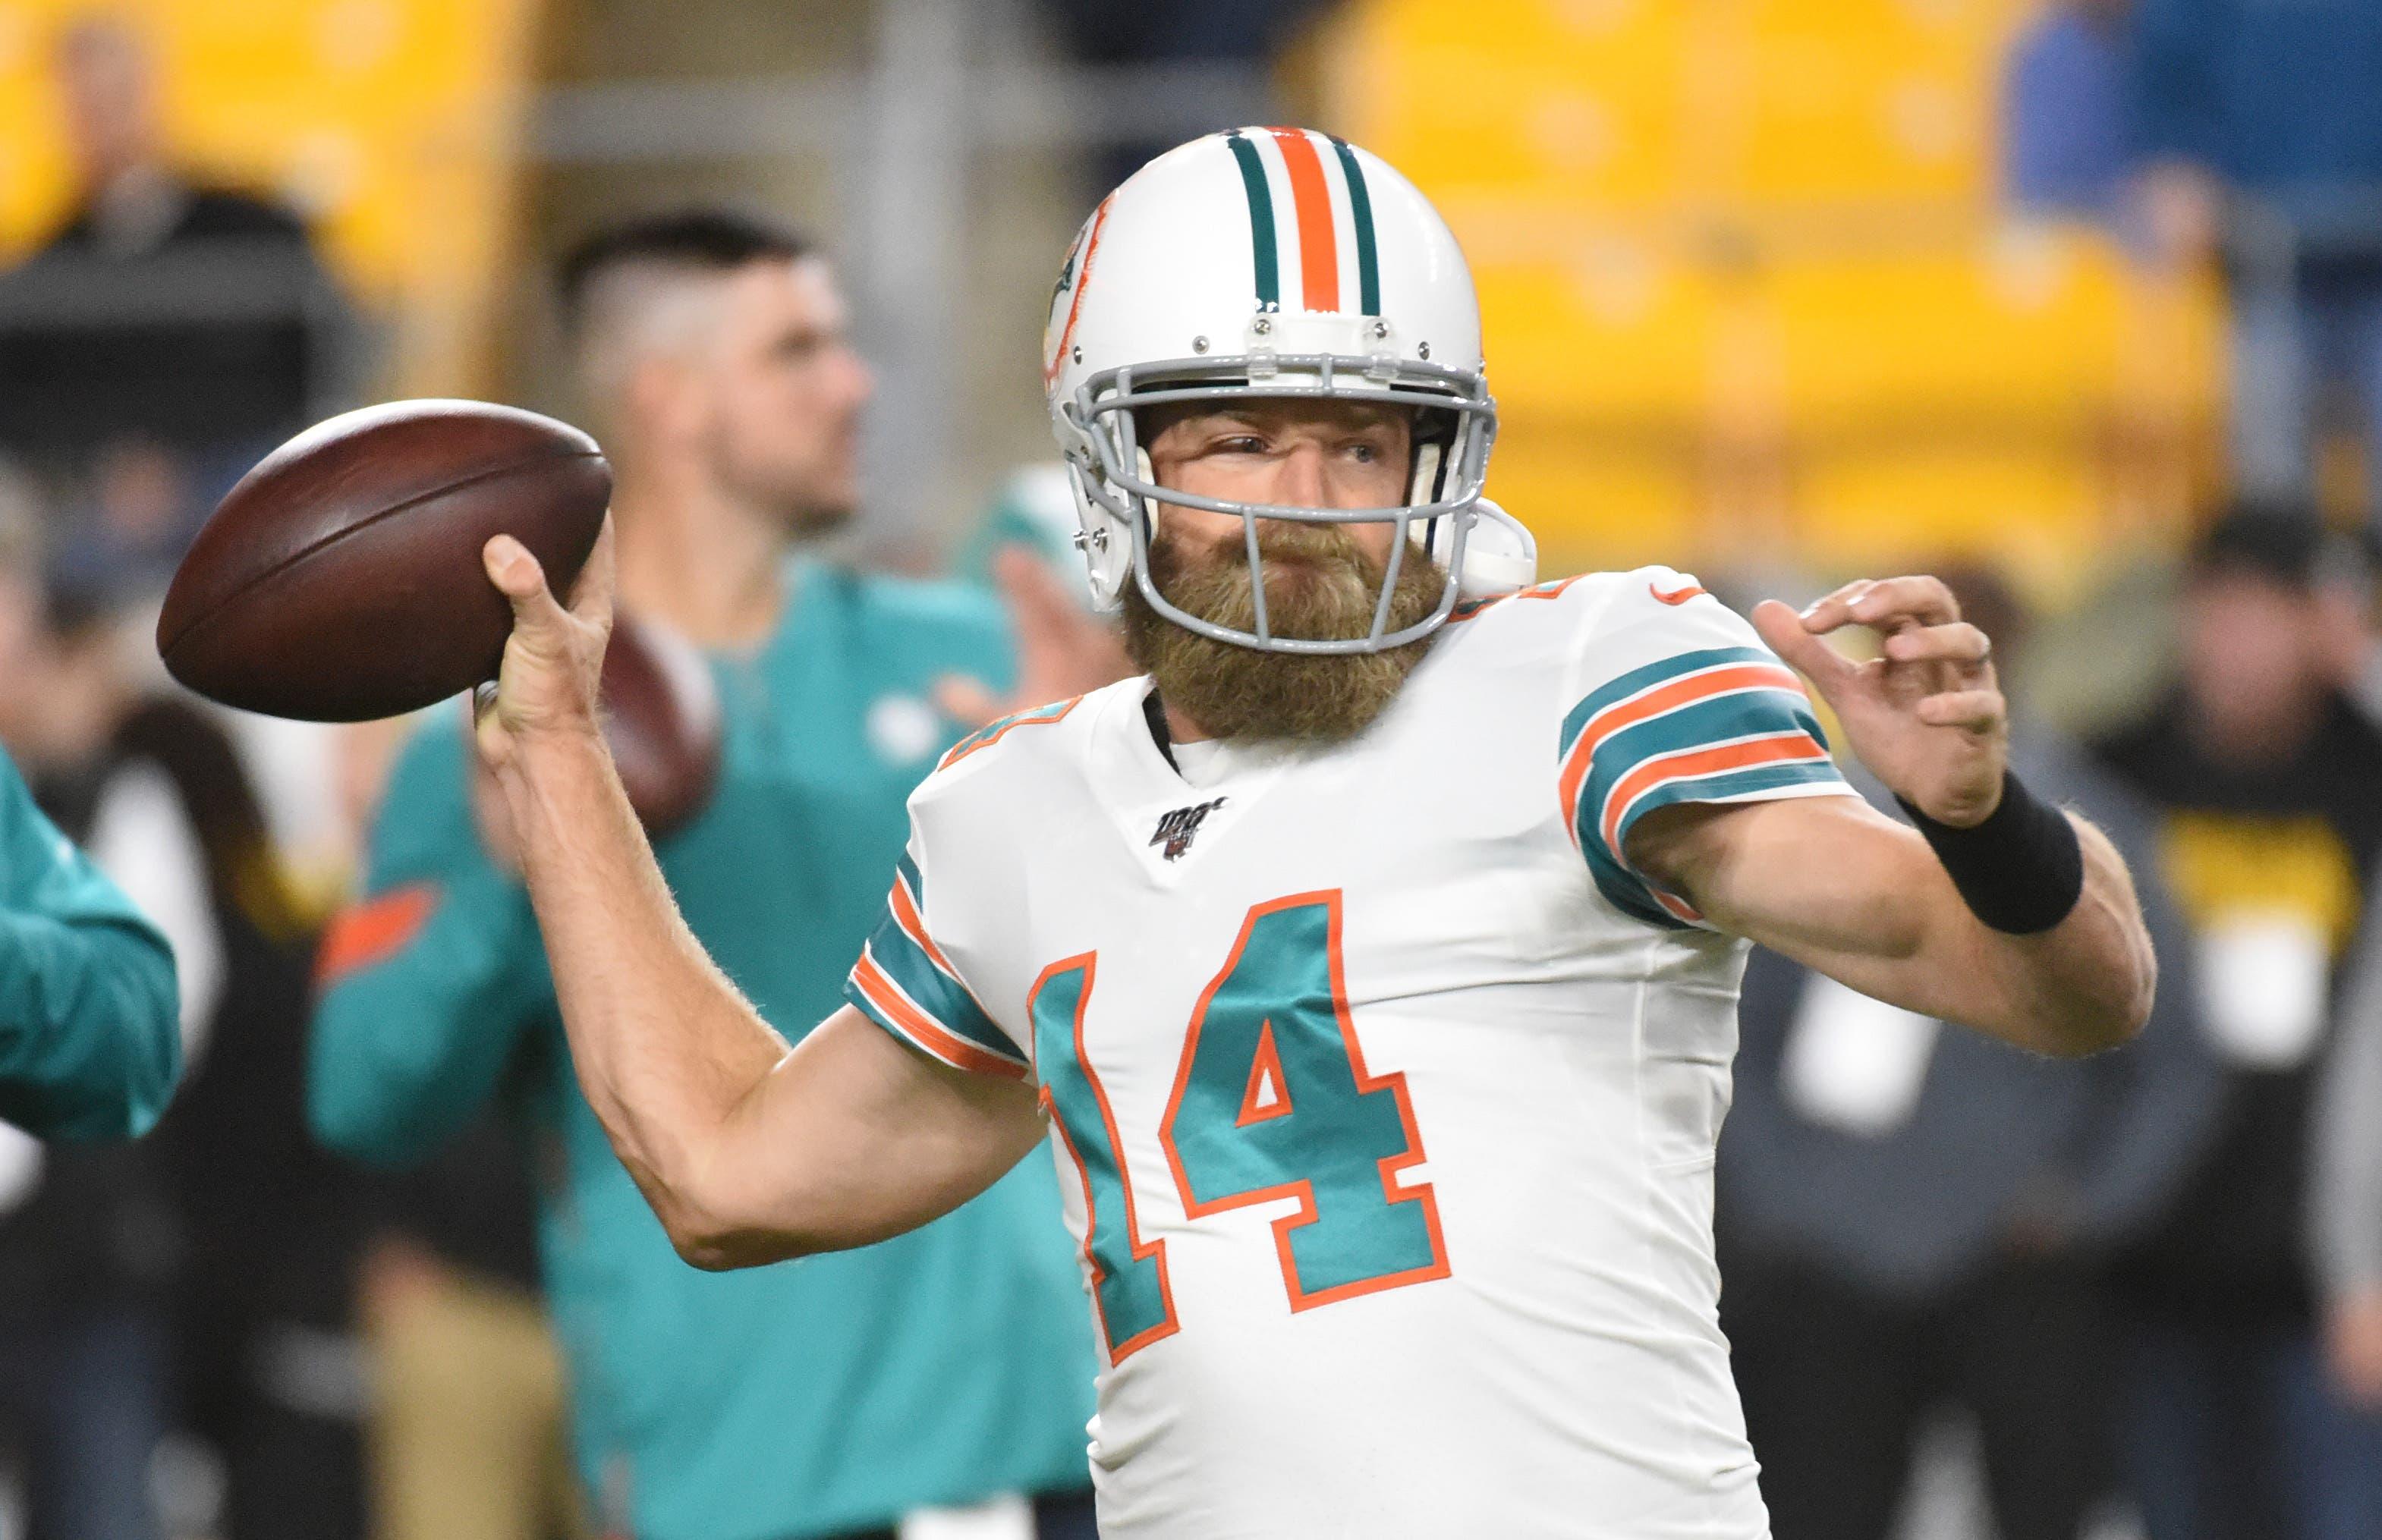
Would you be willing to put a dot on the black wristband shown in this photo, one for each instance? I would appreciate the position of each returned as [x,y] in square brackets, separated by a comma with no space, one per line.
[2020,871]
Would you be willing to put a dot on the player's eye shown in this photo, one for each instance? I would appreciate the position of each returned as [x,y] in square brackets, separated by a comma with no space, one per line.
[1240,443]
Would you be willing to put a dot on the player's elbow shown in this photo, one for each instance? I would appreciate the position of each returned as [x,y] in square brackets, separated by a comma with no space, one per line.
[2110,1010]
[712,1227]
[721,1243]
[720,1248]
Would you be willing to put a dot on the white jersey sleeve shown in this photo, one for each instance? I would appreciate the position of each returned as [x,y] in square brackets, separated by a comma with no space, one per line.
[905,980]
[1670,698]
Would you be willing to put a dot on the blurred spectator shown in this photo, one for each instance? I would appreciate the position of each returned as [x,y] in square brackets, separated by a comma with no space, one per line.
[2263,131]
[832,1396]
[89,1049]
[241,1279]
[135,525]
[1915,1216]
[2269,786]
[193,317]
[2068,142]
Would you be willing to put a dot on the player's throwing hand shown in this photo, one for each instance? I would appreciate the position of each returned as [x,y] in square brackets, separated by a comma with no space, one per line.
[1926,714]
[554,661]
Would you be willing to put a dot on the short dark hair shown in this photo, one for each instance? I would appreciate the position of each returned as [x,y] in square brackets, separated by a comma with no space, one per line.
[2282,541]
[700,239]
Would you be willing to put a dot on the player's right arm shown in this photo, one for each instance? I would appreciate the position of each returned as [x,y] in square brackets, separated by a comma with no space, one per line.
[748,1151]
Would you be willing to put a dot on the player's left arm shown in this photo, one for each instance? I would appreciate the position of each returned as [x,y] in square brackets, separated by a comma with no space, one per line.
[1843,889]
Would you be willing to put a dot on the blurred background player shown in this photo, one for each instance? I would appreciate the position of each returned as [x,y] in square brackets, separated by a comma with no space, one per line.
[90,1050]
[1915,1217]
[942,1368]
[2266,782]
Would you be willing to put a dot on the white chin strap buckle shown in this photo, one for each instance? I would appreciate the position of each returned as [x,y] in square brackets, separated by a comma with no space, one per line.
[1500,555]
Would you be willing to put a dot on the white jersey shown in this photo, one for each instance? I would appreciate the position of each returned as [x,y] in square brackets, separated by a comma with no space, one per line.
[1385,1090]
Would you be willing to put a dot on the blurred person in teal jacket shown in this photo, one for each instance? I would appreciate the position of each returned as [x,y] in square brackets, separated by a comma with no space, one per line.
[91,1048]
[832,1396]
[90,1022]
[90,1035]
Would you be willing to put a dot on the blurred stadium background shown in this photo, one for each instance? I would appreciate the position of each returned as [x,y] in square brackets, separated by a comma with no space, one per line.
[1781,291]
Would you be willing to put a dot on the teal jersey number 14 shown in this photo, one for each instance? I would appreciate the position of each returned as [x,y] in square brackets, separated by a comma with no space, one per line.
[1272,1100]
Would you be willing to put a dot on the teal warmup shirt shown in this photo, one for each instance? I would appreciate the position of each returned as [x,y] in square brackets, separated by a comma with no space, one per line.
[91,1037]
[812,1397]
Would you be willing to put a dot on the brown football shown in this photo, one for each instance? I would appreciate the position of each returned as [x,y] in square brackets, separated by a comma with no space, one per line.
[340,579]
[661,717]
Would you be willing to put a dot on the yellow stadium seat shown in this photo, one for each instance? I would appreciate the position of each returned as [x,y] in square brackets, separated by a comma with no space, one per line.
[1747,294]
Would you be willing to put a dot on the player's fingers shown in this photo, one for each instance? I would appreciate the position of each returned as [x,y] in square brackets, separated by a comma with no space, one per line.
[1784,630]
[521,581]
[966,700]
[1958,643]
[1825,614]
[1978,710]
[1039,604]
[1892,602]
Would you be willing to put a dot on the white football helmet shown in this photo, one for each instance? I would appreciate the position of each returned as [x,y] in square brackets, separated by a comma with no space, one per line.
[1275,263]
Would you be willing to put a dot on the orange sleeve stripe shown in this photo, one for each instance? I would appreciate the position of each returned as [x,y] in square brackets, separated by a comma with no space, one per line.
[368,934]
[1319,242]
[1687,764]
[924,1030]
[1654,703]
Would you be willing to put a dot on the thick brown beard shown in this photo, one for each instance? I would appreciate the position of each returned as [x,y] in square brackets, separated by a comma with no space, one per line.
[1319,586]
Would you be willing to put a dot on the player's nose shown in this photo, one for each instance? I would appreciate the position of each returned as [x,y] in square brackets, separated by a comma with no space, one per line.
[1299,481]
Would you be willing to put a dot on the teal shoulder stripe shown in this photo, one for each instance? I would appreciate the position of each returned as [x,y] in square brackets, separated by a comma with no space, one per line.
[934,991]
[908,872]
[1751,714]
[1263,242]
[1626,685]
[992,731]
[1361,214]
[982,736]
[1729,784]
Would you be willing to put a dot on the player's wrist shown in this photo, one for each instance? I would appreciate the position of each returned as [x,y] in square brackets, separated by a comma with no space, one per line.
[1960,810]
[2019,869]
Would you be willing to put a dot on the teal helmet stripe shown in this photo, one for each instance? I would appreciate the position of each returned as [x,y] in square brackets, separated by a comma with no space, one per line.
[1361,214]
[1262,238]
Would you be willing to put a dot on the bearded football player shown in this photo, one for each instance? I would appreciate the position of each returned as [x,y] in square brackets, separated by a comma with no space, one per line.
[1373,955]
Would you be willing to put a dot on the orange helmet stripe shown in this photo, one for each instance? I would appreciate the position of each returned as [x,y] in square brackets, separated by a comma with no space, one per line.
[1318,241]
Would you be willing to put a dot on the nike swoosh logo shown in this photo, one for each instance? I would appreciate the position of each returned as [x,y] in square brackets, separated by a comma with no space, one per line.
[1676,595]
